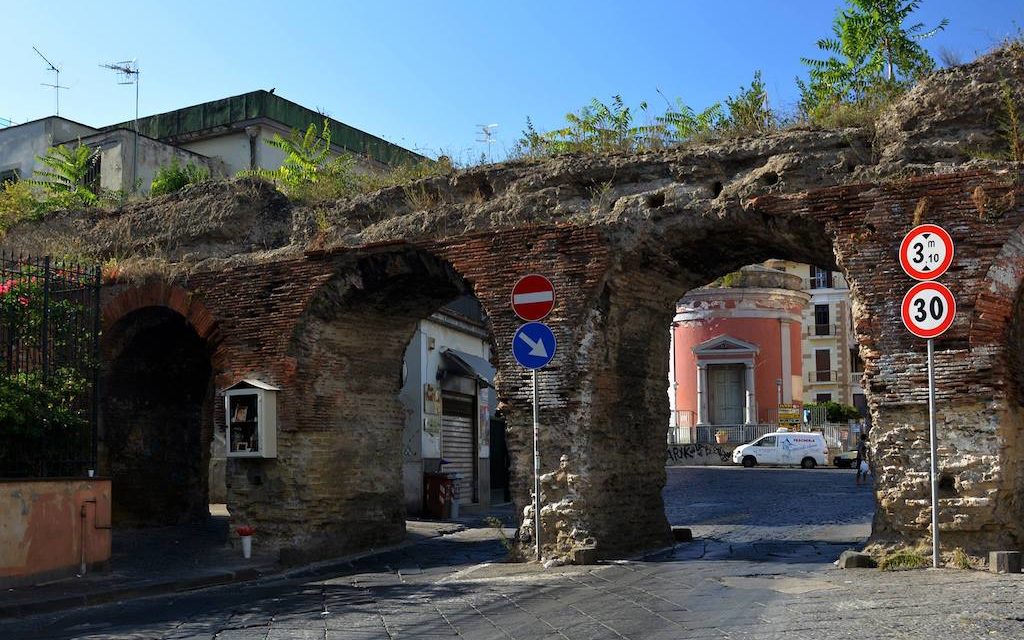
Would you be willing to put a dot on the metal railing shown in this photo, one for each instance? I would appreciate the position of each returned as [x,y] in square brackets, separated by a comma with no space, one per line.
[822,330]
[817,376]
[49,354]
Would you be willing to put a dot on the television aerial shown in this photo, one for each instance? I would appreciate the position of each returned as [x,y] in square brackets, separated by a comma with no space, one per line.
[486,134]
[56,85]
[129,70]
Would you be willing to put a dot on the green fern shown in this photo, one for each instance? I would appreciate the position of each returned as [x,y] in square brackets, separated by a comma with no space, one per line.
[307,159]
[68,172]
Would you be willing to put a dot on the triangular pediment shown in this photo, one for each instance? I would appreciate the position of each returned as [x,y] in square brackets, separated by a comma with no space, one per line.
[725,344]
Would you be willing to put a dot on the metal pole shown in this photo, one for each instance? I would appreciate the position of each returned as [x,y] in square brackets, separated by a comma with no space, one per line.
[536,463]
[934,462]
[135,150]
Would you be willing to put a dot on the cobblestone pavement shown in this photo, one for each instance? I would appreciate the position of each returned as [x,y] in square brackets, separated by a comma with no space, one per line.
[731,585]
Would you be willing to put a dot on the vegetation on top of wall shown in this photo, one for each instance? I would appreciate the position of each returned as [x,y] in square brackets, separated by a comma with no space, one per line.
[310,172]
[872,58]
[613,126]
[65,183]
[174,177]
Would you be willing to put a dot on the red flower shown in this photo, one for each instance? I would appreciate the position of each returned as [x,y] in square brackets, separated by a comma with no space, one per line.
[23,301]
[245,530]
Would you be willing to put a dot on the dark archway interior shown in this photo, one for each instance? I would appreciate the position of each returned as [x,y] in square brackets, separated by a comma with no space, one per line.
[157,419]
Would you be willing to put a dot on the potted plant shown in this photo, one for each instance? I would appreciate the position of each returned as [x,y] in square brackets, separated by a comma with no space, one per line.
[245,535]
[721,436]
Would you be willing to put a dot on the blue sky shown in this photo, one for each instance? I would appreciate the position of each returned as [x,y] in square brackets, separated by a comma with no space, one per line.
[424,74]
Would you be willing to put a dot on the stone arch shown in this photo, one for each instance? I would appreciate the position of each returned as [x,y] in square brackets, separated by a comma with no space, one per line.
[156,412]
[340,446]
[623,348]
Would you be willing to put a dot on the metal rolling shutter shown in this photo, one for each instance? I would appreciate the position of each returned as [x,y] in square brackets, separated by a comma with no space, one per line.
[457,447]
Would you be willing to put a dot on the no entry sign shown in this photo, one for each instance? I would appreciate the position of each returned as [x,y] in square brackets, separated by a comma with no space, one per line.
[926,252]
[928,309]
[533,297]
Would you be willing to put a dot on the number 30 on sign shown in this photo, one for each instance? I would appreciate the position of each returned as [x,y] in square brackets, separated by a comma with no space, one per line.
[928,309]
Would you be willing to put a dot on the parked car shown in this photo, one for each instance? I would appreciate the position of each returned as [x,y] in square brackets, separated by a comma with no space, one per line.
[784,448]
[846,459]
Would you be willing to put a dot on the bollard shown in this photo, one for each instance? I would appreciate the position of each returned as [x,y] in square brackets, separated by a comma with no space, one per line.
[1004,561]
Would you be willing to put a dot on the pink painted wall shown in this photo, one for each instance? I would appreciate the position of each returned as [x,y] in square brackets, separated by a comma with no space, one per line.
[41,528]
[763,332]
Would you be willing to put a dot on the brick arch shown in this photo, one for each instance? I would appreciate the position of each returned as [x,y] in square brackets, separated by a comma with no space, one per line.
[994,306]
[162,294]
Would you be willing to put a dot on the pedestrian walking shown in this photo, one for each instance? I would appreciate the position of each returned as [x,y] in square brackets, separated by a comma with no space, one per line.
[862,459]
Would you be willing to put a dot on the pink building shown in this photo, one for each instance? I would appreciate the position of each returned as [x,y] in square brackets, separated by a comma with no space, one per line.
[736,350]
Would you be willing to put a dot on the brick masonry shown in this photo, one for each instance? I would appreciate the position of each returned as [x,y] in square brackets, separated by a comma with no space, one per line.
[330,327]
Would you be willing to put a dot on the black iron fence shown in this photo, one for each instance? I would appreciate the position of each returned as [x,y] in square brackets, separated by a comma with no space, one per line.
[49,357]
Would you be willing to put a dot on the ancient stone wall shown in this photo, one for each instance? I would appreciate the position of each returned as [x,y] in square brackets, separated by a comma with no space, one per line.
[321,301]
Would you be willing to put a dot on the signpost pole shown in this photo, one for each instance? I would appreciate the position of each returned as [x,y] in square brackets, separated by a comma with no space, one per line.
[934,461]
[536,464]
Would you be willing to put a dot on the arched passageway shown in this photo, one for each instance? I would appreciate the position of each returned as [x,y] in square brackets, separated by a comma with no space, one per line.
[156,418]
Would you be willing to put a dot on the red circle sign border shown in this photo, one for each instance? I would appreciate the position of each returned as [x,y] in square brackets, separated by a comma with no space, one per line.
[532,317]
[950,304]
[942,268]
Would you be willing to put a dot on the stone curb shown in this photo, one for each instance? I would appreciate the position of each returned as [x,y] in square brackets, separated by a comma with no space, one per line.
[162,587]
[141,590]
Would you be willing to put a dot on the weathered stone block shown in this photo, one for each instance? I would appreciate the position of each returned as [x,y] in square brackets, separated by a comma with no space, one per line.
[584,555]
[851,559]
[1004,561]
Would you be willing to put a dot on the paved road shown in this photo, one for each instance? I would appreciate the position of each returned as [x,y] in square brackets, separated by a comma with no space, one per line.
[730,586]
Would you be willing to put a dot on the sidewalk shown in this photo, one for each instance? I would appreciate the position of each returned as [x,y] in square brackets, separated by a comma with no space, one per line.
[154,561]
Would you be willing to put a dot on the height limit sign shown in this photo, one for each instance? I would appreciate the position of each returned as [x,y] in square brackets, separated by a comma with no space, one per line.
[926,252]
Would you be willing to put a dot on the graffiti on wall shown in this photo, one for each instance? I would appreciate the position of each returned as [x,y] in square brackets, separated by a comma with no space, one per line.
[698,453]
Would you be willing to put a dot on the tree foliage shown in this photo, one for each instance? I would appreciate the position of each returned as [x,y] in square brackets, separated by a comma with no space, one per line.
[871,51]
[308,160]
[67,173]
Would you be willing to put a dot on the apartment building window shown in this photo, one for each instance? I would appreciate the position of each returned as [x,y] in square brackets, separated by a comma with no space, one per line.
[821,320]
[822,365]
[820,278]
[823,397]
[856,364]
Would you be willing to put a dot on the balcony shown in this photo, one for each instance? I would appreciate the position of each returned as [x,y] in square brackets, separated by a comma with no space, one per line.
[822,330]
[822,376]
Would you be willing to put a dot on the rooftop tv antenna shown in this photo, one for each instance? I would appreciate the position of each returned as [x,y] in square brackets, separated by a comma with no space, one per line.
[56,80]
[129,70]
[487,137]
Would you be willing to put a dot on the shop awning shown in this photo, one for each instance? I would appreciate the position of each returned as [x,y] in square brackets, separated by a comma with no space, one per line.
[470,366]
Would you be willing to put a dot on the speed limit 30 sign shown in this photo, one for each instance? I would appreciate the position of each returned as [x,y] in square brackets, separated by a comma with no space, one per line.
[926,252]
[928,309]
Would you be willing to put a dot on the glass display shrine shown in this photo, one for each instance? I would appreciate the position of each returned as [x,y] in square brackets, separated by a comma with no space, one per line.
[251,419]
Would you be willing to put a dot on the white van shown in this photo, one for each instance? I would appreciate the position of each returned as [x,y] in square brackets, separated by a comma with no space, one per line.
[784,447]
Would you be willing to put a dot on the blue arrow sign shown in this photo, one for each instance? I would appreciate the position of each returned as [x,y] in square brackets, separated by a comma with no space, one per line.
[533,345]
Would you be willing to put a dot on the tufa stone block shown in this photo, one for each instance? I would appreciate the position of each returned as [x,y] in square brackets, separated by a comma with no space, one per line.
[584,555]
[1004,561]
[851,559]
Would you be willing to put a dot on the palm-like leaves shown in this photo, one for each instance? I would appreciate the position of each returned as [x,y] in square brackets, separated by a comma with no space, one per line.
[68,172]
[307,158]
[871,47]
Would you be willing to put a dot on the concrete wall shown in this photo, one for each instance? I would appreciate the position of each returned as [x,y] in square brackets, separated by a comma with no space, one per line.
[117,148]
[699,455]
[42,529]
[21,145]
[233,149]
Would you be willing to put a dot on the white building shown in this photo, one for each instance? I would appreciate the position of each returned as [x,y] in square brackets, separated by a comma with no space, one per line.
[225,136]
